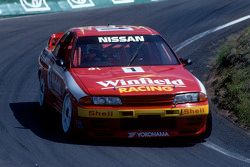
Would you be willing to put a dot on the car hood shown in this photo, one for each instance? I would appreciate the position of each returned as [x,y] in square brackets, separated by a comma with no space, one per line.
[144,80]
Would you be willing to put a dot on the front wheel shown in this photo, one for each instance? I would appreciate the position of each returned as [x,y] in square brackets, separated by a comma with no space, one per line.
[208,130]
[67,116]
[209,126]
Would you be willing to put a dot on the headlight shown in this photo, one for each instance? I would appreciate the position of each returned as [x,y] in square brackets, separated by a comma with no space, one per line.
[186,98]
[106,100]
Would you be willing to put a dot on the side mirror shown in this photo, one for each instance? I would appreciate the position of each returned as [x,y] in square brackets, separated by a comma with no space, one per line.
[60,63]
[54,38]
[186,62]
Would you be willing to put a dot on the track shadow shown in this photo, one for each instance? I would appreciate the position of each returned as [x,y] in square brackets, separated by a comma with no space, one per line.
[43,124]
[47,126]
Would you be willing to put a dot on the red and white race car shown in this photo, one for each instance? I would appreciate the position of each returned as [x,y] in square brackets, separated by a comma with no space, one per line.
[121,81]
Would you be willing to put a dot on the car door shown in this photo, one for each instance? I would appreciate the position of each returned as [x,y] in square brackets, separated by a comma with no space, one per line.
[59,65]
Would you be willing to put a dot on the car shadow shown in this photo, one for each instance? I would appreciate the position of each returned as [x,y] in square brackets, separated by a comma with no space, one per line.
[46,125]
[43,124]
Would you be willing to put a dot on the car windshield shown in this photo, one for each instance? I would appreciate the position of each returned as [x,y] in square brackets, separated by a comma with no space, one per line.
[134,50]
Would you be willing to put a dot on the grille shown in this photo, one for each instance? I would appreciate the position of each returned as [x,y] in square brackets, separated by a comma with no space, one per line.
[158,100]
[148,123]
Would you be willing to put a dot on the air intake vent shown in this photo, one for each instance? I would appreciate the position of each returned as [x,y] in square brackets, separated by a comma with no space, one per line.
[157,100]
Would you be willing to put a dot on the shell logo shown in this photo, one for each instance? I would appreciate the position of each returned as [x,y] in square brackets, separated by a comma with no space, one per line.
[34,5]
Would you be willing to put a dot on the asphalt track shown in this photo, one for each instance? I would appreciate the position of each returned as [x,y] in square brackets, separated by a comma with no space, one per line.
[29,138]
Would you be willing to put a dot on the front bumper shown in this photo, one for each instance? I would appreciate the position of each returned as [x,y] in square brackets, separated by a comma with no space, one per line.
[182,120]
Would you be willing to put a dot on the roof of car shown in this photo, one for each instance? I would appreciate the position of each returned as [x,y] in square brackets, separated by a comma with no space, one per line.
[113,30]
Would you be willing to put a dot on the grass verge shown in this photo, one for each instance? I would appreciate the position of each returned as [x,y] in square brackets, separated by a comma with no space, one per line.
[231,83]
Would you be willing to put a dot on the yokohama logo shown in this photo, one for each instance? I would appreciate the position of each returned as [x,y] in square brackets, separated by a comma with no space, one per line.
[34,5]
[147,134]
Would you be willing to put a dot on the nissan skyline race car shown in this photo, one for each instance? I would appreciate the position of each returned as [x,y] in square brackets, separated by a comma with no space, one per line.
[122,82]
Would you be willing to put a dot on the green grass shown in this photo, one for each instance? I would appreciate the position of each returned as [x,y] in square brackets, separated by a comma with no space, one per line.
[232,73]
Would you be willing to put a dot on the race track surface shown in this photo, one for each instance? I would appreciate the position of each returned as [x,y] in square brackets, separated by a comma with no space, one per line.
[29,138]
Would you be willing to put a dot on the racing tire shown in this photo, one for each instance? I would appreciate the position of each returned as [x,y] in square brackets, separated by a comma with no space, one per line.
[67,117]
[208,131]
[209,126]
[42,95]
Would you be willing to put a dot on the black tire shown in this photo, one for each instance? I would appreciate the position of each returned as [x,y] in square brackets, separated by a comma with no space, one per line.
[43,94]
[208,131]
[209,126]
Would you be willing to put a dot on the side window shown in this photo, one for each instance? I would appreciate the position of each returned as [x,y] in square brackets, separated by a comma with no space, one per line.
[58,46]
[76,56]
[64,46]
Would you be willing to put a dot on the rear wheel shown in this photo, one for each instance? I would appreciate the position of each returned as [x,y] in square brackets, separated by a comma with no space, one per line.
[42,98]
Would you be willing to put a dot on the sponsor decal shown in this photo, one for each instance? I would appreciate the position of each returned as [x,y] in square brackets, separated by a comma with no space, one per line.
[122,1]
[164,112]
[132,69]
[101,114]
[80,3]
[34,5]
[141,85]
[113,28]
[121,39]
[147,134]
[193,111]
[146,89]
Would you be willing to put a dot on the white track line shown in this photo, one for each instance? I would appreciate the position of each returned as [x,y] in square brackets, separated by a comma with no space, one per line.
[203,34]
[226,152]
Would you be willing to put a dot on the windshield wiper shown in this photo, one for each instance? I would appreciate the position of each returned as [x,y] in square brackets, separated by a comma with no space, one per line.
[135,54]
